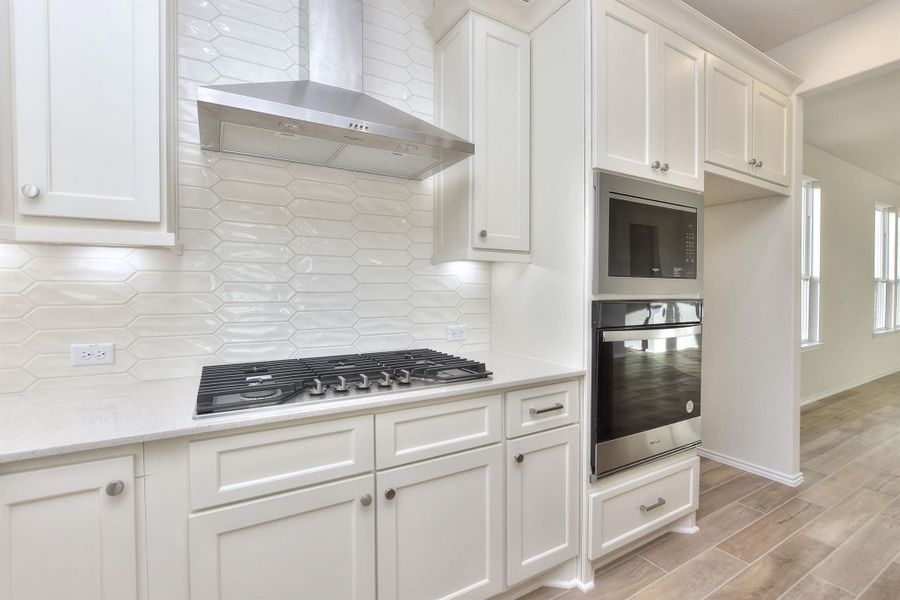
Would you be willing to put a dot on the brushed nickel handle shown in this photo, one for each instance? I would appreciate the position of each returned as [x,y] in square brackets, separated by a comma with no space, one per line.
[365,499]
[390,493]
[115,488]
[659,502]
[519,458]
[664,167]
[482,233]
[539,411]
[655,164]
[752,162]
[759,164]
[29,190]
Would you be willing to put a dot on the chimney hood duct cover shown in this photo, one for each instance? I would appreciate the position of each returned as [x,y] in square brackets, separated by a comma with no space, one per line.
[321,121]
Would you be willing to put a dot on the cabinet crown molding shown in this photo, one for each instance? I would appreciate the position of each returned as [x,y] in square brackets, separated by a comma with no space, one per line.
[525,15]
[712,37]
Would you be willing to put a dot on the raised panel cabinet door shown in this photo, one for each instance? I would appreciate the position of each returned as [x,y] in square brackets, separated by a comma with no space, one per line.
[623,58]
[541,502]
[87,82]
[501,102]
[440,527]
[679,131]
[64,535]
[315,543]
[729,112]
[771,134]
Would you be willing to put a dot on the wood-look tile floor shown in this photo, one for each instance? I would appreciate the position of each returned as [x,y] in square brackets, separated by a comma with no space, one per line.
[835,537]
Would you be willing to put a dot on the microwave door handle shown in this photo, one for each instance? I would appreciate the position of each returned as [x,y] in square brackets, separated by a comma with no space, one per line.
[627,335]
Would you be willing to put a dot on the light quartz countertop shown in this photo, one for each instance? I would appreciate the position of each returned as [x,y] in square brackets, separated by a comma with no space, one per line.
[35,424]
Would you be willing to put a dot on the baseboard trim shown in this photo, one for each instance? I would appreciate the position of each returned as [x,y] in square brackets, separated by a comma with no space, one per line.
[846,386]
[789,480]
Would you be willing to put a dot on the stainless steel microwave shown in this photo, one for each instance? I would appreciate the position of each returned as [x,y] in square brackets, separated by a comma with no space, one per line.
[648,238]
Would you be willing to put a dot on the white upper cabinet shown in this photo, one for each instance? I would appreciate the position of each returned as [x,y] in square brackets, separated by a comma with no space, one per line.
[748,124]
[482,204]
[89,111]
[648,99]
[69,531]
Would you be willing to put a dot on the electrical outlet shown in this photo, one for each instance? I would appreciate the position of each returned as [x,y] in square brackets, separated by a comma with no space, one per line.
[93,354]
[456,333]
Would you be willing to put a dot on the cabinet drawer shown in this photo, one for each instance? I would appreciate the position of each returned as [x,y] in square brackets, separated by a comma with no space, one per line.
[539,408]
[405,436]
[631,507]
[238,467]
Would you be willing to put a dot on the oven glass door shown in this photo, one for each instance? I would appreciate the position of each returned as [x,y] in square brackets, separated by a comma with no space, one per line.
[646,378]
[651,239]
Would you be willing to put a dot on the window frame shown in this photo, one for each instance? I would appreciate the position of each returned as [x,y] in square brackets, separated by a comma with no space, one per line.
[810,265]
[885,287]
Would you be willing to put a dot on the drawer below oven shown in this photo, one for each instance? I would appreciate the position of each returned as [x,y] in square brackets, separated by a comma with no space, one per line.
[629,507]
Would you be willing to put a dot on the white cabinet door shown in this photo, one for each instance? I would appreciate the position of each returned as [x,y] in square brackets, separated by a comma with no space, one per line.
[678,134]
[729,112]
[313,543]
[501,93]
[623,59]
[87,108]
[440,527]
[771,134]
[63,536]
[541,502]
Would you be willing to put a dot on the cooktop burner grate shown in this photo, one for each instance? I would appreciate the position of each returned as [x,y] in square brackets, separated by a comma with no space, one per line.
[250,385]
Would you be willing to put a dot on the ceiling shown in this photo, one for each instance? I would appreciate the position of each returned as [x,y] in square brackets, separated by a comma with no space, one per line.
[767,24]
[860,123]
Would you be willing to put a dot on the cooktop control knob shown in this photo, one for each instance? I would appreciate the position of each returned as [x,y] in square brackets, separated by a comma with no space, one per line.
[386,380]
[363,383]
[317,389]
[342,385]
[405,377]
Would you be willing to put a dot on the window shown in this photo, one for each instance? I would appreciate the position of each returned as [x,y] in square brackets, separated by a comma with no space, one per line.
[810,267]
[885,269]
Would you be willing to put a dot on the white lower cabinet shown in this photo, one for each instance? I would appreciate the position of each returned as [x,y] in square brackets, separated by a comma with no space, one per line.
[69,531]
[541,502]
[313,543]
[440,527]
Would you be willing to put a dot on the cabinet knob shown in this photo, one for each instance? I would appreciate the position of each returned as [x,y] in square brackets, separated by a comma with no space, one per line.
[752,162]
[759,164]
[664,167]
[365,499]
[482,233]
[519,458]
[29,190]
[115,488]
[655,164]
[390,493]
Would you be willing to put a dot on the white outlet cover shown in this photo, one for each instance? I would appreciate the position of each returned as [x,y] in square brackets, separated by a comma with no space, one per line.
[456,333]
[93,354]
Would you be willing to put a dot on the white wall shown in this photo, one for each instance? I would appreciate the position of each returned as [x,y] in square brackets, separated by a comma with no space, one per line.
[280,260]
[850,354]
[538,309]
[863,41]
[750,413]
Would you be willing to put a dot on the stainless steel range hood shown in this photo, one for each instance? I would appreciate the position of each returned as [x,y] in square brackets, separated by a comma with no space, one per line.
[326,120]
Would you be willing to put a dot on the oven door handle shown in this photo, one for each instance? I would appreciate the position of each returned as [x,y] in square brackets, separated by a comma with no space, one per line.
[627,335]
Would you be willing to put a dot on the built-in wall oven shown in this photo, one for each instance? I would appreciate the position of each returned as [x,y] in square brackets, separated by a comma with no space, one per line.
[648,238]
[646,381]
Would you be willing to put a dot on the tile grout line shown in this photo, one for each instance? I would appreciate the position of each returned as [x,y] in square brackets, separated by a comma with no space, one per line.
[877,575]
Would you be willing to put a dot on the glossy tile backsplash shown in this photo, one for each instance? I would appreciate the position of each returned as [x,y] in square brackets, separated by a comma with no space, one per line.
[280,259]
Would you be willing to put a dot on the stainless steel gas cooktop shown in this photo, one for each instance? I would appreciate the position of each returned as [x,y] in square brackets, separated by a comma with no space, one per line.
[225,388]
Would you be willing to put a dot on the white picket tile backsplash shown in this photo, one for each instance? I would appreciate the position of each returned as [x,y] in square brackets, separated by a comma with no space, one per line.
[280,259]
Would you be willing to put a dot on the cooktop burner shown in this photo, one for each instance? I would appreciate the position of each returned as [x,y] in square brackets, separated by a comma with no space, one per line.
[250,385]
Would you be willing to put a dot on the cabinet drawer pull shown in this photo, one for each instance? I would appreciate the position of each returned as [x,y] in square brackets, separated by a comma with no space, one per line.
[655,164]
[659,502]
[366,499]
[752,162]
[390,493]
[540,411]
[664,167]
[29,190]
[482,233]
[759,164]
[519,458]
[114,488]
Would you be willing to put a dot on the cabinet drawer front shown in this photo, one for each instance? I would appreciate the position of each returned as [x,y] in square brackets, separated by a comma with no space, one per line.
[239,467]
[405,436]
[667,494]
[540,408]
